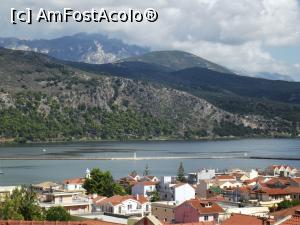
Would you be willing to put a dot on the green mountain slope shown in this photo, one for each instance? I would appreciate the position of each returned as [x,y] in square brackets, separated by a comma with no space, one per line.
[230,92]
[44,99]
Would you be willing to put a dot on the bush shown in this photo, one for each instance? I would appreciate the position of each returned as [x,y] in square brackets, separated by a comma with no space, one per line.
[57,213]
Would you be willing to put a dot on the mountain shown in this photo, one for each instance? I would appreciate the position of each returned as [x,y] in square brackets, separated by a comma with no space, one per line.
[228,91]
[43,99]
[273,76]
[81,47]
[176,60]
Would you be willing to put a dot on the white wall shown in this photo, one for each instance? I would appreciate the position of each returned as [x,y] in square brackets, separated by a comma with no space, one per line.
[184,193]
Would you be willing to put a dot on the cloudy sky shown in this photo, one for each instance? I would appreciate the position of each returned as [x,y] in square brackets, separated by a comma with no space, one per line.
[245,35]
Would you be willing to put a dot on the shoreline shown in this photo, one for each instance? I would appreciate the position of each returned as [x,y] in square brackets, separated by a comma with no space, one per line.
[147,158]
[230,138]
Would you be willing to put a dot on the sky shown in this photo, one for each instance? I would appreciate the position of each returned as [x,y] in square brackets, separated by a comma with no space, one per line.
[245,35]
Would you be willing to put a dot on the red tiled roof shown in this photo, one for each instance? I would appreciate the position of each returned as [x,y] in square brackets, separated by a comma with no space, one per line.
[285,212]
[21,222]
[118,199]
[279,191]
[200,206]
[225,177]
[98,199]
[282,180]
[197,223]
[294,220]
[239,219]
[146,183]
[279,166]
[77,180]
[297,179]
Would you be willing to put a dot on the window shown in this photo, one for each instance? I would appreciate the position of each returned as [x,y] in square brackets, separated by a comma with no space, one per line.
[205,218]
[129,207]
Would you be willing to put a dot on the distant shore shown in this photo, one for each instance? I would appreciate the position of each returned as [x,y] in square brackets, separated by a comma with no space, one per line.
[148,158]
[87,140]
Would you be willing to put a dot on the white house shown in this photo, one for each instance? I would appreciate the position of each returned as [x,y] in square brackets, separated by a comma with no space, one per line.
[204,174]
[281,170]
[178,192]
[74,184]
[125,205]
[230,184]
[145,188]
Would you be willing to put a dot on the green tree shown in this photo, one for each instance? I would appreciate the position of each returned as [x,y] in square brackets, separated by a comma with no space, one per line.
[102,183]
[155,196]
[146,171]
[21,205]
[181,173]
[57,213]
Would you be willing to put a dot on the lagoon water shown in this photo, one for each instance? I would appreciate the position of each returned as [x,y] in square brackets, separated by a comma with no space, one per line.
[217,153]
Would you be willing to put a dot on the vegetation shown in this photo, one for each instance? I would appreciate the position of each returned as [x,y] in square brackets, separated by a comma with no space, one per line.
[27,123]
[57,213]
[21,205]
[155,196]
[146,171]
[181,173]
[287,204]
[102,183]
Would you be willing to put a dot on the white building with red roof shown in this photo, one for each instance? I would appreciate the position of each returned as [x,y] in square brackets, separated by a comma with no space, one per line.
[281,170]
[74,184]
[145,188]
[125,205]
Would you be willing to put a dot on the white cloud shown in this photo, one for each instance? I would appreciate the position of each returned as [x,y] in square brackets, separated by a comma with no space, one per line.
[232,33]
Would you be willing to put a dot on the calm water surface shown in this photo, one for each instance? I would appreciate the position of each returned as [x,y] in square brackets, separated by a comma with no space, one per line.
[35,171]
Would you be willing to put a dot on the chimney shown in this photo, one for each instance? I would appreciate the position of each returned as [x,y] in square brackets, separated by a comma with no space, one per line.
[137,197]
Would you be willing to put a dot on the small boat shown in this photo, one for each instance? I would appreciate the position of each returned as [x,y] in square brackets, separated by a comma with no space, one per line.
[1,172]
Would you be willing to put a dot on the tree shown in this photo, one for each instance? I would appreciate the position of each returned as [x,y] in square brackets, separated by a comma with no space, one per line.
[146,171]
[155,196]
[181,173]
[21,205]
[57,213]
[102,183]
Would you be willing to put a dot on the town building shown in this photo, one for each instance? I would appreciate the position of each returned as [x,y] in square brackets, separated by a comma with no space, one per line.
[281,170]
[164,210]
[46,186]
[145,188]
[73,202]
[175,191]
[196,210]
[74,184]
[204,174]
[125,205]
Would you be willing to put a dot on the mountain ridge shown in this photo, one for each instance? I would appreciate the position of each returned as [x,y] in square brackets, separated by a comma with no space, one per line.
[43,99]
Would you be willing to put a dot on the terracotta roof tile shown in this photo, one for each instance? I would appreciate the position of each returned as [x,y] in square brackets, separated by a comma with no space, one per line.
[285,212]
[200,206]
[118,199]
[77,180]
[146,183]
[294,220]
[225,177]
[239,219]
